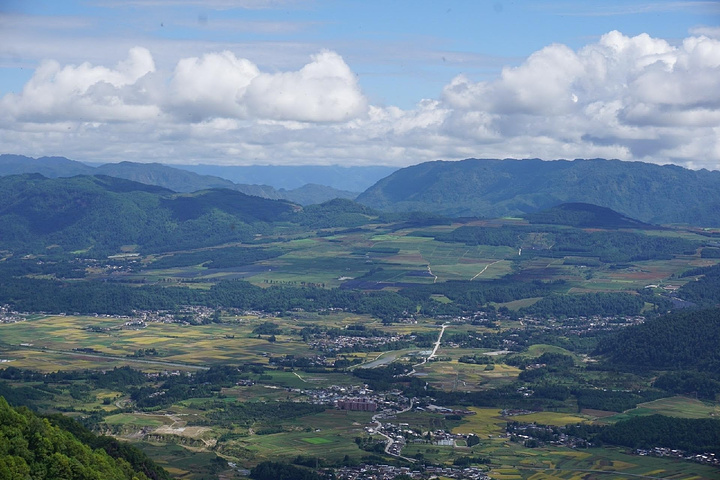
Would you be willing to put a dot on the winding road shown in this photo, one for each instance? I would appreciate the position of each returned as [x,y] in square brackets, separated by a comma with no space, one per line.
[390,441]
[376,418]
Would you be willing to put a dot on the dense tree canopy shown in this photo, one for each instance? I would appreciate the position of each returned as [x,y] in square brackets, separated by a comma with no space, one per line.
[32,447]
[697,435]
[588,304]
[687,340]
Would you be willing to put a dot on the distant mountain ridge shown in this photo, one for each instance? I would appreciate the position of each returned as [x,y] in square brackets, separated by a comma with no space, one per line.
[50,167]
[495,188]
[473,187]
[175,179]
[350,178]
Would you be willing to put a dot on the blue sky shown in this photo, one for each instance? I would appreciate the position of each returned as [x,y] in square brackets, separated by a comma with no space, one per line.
[360,82]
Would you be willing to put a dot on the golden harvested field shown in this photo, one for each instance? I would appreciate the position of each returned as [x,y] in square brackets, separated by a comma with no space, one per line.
[464,376]
[485,423]
[489,422]
[79,342]
[550,418]
[45,361]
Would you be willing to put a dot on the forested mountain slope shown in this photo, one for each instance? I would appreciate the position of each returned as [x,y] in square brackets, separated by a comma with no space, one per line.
[584,215]
[33,447]
[161,175]
[98,214]
[493,188]
[687,340]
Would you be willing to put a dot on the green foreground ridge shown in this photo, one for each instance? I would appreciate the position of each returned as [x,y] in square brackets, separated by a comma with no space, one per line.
[33,447]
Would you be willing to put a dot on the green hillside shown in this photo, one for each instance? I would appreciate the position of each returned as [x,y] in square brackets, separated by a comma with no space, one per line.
[34,447]
[679,341]
[495,188]
[100,214]
[584,215]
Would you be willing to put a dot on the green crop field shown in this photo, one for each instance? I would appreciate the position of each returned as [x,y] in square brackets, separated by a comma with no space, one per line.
[677,406]
[512,461]
[569,464]
[136,420]
[518,304]
[317,440]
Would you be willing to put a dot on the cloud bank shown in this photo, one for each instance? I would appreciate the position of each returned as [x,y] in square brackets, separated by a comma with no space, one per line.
[632,98]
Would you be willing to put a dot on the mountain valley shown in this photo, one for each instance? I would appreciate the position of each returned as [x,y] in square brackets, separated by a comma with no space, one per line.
[227,335]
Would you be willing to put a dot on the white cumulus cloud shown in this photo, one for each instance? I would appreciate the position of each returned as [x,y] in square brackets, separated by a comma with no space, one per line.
[632,98]
[325,90]
[86,92]
[222,85]
[212,86]
[640,97]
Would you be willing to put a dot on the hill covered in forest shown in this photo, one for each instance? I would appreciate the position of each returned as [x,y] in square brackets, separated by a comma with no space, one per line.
[585,215]
[175,179]
[42,448]
[494,188]
[99,214]
[102,215]
[687,340]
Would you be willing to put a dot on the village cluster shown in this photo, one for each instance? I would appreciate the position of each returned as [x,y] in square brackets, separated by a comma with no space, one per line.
[390,472]
[708,458]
